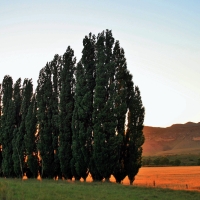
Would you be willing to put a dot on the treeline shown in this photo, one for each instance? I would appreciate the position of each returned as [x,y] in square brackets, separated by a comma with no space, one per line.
[172,160]
[160,161]
[83,118]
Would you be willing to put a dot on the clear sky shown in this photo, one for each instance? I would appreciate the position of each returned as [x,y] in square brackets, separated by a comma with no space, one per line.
[161,39]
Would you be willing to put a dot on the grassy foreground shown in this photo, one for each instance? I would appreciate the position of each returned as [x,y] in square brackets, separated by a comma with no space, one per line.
[49,189]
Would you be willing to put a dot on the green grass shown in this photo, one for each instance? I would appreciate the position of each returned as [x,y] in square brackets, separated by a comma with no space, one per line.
[49,189]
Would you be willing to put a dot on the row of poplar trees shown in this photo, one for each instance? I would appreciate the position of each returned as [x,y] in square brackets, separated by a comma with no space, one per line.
[83,119]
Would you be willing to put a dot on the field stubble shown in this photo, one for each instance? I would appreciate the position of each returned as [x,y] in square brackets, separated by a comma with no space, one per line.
[178,178]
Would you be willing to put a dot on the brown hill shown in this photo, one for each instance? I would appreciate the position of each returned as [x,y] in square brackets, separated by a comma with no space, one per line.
[176,139]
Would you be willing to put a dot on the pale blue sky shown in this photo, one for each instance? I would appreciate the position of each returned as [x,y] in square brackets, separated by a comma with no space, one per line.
[161,39]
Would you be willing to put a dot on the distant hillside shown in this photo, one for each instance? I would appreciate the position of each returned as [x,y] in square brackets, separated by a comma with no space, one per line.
[176,139]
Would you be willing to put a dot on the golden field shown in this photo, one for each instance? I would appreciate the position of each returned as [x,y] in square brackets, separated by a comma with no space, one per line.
[178,178]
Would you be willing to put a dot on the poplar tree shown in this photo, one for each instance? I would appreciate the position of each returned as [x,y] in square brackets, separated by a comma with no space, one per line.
[99,102]
[78,129]
[31,138]
[66,108]
[134,133]
[89,63]
[17,100]
[82,117]
[56,84]
[105,140]
[120,110]
[7,126]
[44,115]
[27,92]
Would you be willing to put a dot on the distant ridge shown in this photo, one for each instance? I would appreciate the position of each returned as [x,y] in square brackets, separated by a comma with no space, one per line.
[173,125]
[188,124]
[176,139]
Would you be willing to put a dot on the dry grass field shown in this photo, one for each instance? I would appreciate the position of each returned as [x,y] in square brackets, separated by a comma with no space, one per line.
[178,178]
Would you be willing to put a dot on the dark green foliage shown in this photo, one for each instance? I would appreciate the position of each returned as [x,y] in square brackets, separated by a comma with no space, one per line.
[7,163]
[157,161]
[66,108]
[19,152]
[105,138]
[164,161]
[134,132]
[73,168]
[120,110]
[44,115]
[7,126]
[31,138]
[17,100]
[89,64]
[49,86]
[82,116]
[56,84]
[187,159]
[79,127]
[147,161]
[17,159]
[87,103]
[176,162]
[99,102]
[6,92]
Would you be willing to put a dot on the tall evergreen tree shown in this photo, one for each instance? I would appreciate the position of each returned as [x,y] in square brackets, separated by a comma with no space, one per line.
[31,138]
[19,152]
[78,128]
[66,107]
[134,134]
[7,126]
[120,110]
[105,139]
[44,114]
[82,117]
[55,70]
[17,99]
